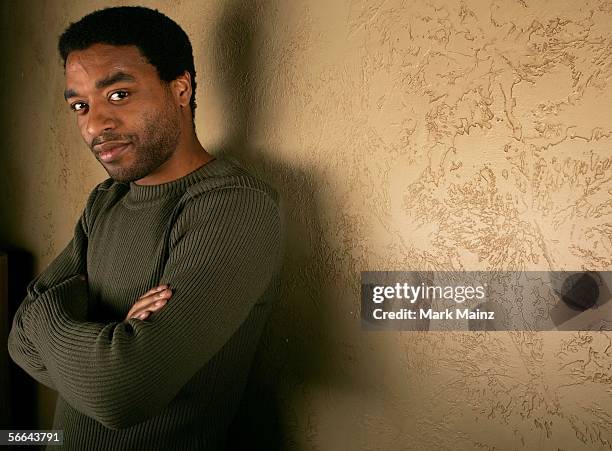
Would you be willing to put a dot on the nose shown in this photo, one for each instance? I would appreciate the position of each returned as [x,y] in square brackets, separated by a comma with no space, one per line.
[100,119]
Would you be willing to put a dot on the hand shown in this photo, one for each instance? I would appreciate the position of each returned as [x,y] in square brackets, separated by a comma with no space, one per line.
[150,302]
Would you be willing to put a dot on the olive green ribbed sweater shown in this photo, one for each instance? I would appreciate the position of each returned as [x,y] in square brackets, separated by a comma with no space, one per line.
[174,380]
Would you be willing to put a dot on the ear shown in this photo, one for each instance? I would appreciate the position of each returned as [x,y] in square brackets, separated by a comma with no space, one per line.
[181,88]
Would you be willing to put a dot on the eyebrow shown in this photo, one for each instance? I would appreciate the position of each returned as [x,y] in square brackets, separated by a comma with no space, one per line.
[110,80]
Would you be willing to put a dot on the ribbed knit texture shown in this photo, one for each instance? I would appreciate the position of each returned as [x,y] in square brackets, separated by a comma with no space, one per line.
[174,380]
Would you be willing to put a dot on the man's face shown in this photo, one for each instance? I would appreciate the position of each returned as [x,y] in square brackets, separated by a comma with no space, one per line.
[126,114]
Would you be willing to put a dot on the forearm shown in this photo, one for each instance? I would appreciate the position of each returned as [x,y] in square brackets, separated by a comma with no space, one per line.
[21,347]
[71,261]
[22,350]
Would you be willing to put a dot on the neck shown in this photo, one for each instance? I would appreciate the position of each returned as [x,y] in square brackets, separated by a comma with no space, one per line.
[188,156]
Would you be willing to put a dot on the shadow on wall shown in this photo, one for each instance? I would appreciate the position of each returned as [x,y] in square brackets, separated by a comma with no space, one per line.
[257,424]
[290,352]
[22,403]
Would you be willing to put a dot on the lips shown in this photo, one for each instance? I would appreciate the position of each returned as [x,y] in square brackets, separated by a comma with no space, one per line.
[109,151]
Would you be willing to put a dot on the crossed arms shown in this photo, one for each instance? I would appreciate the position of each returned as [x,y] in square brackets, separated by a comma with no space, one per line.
[121,373]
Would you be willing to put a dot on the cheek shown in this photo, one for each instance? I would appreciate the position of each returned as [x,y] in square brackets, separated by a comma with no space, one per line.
[82,125]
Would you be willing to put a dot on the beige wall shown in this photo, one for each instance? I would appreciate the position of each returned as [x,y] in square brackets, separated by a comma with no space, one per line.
[402,135]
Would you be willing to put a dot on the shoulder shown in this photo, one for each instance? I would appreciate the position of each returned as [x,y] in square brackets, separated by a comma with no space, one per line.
[105,192]
[231,178]
[231,198]
[231,187]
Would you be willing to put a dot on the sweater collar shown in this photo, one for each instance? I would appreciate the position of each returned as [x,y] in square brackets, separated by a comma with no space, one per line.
[148,193]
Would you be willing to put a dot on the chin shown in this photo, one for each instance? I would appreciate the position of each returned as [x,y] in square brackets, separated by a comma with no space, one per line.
[121,176]
[127,176]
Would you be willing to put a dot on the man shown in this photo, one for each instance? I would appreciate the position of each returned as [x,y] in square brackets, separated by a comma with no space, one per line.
[147,322]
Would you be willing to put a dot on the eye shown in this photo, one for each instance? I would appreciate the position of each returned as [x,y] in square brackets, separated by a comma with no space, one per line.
[78,106]
[118,95]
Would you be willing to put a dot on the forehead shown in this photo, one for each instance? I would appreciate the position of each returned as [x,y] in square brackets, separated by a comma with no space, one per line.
[99,60]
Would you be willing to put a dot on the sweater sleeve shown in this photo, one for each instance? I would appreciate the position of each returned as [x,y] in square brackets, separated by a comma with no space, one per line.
[71,261]
[122,373]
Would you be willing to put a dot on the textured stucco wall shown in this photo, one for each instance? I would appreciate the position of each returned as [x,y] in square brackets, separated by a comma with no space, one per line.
[402,135]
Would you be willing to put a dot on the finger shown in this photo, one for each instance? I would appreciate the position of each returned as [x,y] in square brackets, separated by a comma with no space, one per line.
[154,290]
[143,314]
[151,299]
[149,308]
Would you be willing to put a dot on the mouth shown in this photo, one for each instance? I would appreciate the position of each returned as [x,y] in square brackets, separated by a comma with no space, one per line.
[109,151]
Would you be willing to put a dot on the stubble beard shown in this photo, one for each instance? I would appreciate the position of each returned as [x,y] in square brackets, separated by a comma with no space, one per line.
[155,146]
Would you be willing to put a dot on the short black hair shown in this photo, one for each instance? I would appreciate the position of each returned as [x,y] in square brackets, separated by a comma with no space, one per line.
[160,40]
